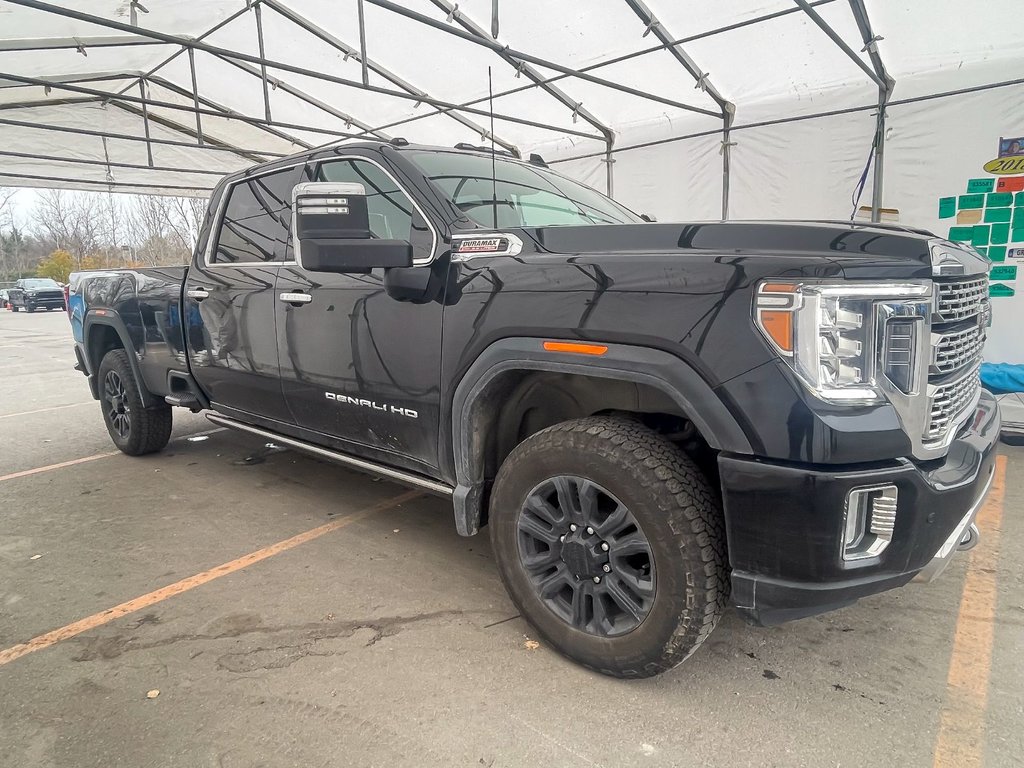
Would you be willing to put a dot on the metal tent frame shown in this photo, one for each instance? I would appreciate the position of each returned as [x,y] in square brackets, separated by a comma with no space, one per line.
[198,132]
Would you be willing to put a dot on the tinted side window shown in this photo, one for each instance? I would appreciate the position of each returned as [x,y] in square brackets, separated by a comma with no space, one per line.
[257,219]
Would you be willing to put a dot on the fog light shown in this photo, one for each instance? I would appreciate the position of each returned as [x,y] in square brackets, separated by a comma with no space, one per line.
[868,521]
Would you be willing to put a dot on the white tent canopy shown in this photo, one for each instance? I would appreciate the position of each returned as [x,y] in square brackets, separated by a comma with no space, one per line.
[694,109]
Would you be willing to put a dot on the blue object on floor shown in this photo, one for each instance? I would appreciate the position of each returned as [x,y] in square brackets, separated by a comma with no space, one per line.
[1002,378]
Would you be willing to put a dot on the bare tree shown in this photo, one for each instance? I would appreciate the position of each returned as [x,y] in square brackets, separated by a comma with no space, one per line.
[6,217]
[73,222]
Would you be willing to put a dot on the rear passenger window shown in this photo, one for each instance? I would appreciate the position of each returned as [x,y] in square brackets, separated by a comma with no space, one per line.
[257,219]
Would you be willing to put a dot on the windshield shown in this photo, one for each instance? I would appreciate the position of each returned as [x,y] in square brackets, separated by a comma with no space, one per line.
[41,283]
[521,195]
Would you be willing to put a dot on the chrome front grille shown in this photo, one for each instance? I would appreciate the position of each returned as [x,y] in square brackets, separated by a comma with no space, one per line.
[961,299]
[956,349]
[949,402]
[958,336]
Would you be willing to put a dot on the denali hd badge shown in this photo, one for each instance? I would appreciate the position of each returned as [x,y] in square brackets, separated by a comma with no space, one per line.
[395,409]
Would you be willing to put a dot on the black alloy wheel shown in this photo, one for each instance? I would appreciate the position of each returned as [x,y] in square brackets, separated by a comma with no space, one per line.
[116,404]
[586,556]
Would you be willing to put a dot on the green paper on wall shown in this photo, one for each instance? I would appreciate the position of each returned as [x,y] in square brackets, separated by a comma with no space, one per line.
[999,199]
[998,215]
[981,233]
[961,234]
[971,201]
[1016,235]
[1003,273]
[996,253]
[999,290]
[981,185]
[947,207]
[1000,234]
[1018,216]
[1019,198]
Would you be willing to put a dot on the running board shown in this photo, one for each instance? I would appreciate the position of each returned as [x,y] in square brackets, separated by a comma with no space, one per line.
[362,465]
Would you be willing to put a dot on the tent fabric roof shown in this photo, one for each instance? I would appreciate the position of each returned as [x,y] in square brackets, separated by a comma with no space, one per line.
[164,96]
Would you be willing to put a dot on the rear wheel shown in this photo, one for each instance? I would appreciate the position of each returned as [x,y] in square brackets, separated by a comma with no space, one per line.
[135,429]
[611,544]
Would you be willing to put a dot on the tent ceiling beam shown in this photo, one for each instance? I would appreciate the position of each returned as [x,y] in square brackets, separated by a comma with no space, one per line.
[284,66]
[105,185]
[608,62]
[253,155]
[377,69]
[270,127]
[836,38]
[145,120]
[48,102]
[107,163]
[195,95]
[303,96]
[74,43]
[520,65]
[497,47]
[217,111]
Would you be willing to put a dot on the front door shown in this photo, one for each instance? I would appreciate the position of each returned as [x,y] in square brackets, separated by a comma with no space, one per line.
[357,365]
[230,301]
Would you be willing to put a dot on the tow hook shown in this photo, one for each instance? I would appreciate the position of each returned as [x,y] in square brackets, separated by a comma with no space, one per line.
[970,539]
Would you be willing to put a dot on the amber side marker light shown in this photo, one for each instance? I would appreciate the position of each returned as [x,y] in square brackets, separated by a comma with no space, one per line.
[578,349]
[774,313]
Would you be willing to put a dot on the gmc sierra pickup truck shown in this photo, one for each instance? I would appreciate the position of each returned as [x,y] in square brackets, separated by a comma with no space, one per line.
[649,417]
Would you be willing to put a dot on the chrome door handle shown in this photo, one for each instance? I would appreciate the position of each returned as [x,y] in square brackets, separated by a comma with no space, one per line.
[197,293]
[296,298]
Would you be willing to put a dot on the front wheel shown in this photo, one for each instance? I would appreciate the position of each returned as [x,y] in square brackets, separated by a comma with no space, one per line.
[29,308]
[611,543]
[135,429]
[14,307]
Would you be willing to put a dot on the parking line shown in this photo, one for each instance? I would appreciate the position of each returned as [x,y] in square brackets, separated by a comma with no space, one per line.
[44,410]
[72,462]
[49,467]
[961,739]
[151,598]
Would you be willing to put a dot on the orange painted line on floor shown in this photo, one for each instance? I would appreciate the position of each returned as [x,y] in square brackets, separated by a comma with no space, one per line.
[61,465]
[45,410]
[104,617]
[961,739]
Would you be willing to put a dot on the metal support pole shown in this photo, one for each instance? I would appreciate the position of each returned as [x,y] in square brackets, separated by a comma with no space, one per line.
[727,143]
[885,88]
[609,161]
[263,60]
[145,121]
[362,42]
[195,95]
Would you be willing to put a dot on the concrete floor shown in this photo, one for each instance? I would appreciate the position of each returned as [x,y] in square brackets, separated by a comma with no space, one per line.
[390,642]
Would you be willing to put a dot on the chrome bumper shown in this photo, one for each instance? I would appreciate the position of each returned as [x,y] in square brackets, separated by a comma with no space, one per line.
[965,536]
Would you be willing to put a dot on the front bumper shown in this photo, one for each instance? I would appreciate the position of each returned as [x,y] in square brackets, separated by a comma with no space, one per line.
[784,523]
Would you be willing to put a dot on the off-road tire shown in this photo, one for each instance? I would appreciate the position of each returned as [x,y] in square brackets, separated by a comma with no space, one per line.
[29,309]
[672,503]
[150,428]
[15,308]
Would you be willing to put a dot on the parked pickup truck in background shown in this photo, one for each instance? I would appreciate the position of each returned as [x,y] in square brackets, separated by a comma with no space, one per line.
[32,293]
[651,418]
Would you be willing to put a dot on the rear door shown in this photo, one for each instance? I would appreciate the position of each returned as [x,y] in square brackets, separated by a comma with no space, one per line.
[230,302]
[356,364]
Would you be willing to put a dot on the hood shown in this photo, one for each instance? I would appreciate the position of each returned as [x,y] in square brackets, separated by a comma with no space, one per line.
[862,250]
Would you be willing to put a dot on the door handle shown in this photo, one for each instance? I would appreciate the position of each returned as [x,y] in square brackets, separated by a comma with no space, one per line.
[296,299]
[197,293]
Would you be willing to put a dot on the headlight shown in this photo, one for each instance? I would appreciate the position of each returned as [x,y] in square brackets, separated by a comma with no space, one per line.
[848,342]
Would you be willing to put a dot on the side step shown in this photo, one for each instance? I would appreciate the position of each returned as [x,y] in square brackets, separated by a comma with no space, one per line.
[184,400]
[362,465]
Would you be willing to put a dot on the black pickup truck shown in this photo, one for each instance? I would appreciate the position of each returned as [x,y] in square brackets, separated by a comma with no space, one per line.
[650,417]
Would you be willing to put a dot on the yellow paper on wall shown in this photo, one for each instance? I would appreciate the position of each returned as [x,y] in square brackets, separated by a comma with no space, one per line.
[969,216]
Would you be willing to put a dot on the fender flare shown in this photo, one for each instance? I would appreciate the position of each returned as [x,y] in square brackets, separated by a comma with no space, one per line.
[642,365]
[112,319]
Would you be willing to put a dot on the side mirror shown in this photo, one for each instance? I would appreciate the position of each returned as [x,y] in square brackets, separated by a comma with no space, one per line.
[331,231]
